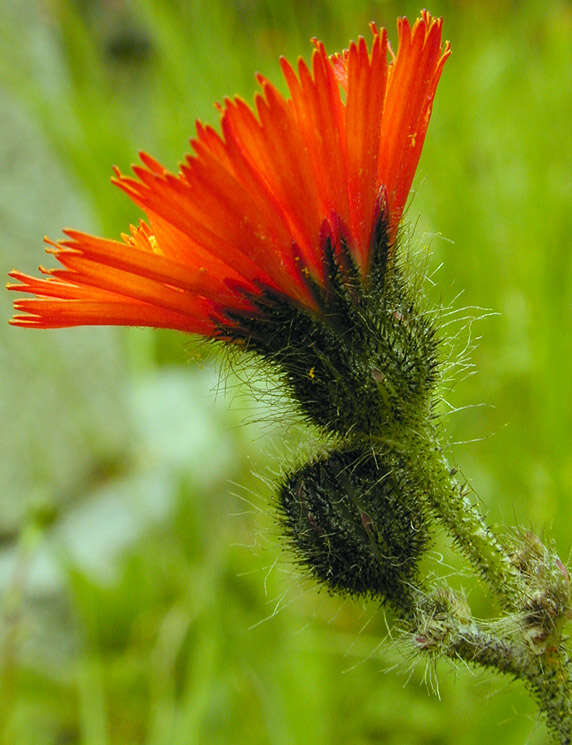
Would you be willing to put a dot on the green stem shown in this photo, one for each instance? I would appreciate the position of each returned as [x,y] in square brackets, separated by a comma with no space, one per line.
[451,505]
[549,679]
[546,676]
[442,625]
[538,600]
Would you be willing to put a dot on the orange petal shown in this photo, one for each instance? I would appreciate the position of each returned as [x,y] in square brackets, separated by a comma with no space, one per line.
[409,98]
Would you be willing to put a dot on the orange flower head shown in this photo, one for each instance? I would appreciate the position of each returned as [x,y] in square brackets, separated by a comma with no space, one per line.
[292,211]
[249,209]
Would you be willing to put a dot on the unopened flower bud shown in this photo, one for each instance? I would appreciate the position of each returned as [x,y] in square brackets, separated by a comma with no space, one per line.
[354,519]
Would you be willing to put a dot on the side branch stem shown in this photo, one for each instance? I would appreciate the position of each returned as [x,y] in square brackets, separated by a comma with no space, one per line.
[444,626]
[547,676]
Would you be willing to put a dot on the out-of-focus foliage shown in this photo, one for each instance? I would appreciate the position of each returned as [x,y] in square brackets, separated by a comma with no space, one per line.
[146,598]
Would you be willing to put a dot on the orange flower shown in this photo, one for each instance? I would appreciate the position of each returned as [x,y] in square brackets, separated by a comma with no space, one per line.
[249,211]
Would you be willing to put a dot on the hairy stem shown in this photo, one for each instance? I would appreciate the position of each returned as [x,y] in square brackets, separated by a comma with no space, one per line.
[546,676]
[530,583]
[439,631]
[549,679]
[450,503]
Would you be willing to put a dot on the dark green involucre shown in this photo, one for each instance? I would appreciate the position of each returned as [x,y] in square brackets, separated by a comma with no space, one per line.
[366,364]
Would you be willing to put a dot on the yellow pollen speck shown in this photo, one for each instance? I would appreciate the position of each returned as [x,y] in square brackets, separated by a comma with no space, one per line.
[311,373]
[412,138]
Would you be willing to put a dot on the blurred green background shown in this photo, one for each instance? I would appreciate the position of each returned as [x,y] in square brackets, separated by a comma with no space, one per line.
[146,597]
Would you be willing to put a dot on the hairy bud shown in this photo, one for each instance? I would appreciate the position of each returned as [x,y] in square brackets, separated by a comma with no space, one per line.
[353,518]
